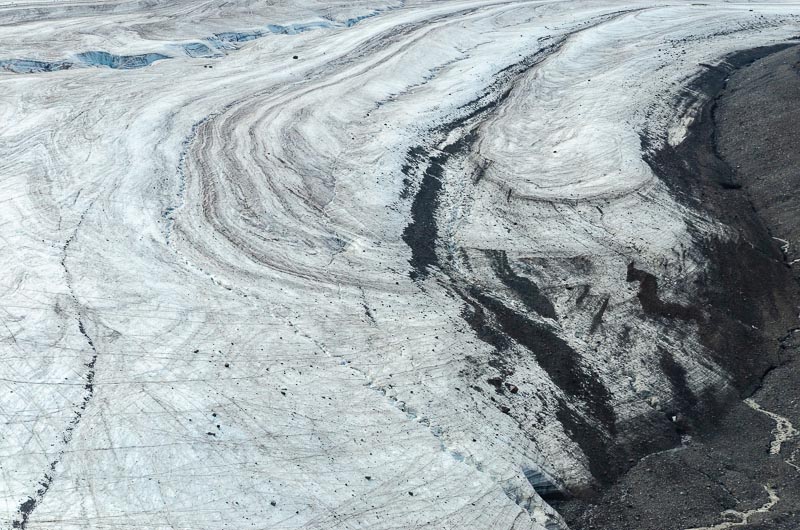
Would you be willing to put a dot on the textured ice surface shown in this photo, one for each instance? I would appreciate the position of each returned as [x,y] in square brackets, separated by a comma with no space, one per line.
[312,271]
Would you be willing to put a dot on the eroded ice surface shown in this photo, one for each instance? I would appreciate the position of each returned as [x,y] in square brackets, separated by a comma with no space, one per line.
[381,285]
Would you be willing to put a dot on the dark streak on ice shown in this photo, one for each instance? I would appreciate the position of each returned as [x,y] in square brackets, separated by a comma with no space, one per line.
[527,291]
[421,233]
[652,304]
[476,316]
[27,507]
[414,157]
[565,368]
[598,317]
[556,357]
[686,400]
